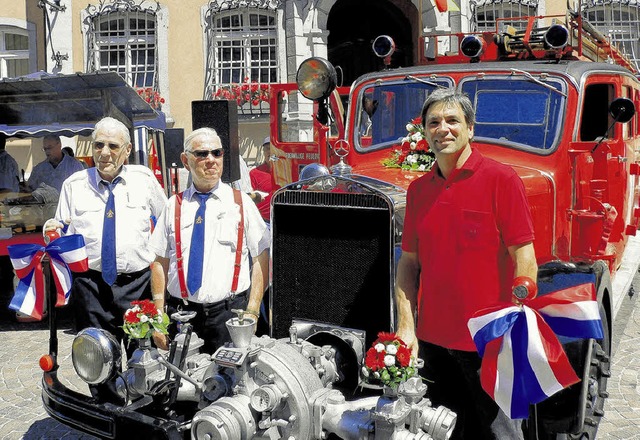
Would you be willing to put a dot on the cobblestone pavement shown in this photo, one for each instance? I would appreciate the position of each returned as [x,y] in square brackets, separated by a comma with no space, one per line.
[22,414]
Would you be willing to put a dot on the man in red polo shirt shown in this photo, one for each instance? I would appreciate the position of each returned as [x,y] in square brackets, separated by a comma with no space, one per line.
[262,182]
[467,234]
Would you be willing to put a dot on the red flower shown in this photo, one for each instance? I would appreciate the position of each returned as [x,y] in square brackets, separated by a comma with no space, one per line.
[385,337]
[422,144]
[131,317]
[374,360]
[403,356]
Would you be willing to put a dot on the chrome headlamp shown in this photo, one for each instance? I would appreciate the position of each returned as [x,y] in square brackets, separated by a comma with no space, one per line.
[96,355]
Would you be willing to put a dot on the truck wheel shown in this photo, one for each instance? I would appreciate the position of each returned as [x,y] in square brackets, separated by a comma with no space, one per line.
[596,376]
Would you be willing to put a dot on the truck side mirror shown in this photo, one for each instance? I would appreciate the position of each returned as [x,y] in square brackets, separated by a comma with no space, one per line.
[622,109]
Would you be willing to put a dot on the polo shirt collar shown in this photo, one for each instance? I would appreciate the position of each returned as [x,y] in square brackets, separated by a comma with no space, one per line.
[469,167]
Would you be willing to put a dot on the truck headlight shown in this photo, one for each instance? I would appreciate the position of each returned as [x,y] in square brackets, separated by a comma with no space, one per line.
[96,355]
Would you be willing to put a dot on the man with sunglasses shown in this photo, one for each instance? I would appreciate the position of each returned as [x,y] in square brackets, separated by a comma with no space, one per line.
[111,206]
[203,241]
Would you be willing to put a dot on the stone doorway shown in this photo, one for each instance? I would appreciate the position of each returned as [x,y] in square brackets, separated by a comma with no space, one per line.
[353,25]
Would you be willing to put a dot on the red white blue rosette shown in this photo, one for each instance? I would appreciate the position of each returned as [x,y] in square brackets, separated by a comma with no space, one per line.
[523,362]
[66,254]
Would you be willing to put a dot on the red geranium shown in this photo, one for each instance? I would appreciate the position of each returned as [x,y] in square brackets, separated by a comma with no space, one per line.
[246,92]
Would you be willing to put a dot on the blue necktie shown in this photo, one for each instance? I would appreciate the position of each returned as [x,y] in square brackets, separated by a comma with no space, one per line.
[109,265]
[196,251]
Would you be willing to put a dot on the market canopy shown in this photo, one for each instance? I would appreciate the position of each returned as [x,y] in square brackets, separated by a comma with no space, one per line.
[39,104]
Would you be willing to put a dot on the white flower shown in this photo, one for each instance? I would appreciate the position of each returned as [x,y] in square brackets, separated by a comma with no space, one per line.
[413,145]
[144,318]
[365,372]
[379,347]
[409,127]
[422,167]
[411,158]
[391,349]
[389,360]
[159,319]
[376,375]
[416,137]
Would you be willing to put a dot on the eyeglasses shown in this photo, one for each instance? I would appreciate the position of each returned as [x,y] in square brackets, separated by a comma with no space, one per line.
[203,154]
[101,145]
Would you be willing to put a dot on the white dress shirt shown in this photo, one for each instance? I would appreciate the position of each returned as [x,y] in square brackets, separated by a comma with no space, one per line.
[138,199]
[44,172]
[221,235]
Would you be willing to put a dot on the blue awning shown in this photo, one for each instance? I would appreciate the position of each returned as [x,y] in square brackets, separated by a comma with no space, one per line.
[67,105]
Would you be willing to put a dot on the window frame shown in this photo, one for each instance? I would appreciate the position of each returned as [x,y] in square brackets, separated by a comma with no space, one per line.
[251,57]
[7,55]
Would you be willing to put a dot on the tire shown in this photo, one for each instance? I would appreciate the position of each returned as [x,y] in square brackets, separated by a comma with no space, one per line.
[590,394]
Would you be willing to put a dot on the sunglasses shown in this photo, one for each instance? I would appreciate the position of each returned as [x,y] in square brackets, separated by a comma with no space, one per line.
[203,154]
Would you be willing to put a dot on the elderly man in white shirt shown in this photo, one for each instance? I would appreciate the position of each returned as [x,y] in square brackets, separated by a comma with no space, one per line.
[111,206]
[56,167]
[215,275]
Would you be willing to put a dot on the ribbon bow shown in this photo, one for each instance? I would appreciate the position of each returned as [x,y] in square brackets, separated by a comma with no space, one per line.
[66,254]
[523,361]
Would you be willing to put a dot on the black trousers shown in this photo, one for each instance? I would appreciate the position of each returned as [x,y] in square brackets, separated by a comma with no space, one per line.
[210,319]
[96,304]
[453,380]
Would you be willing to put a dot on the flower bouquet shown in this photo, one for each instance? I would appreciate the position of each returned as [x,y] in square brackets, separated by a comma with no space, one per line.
[414,153]
[143,318]
[389,361]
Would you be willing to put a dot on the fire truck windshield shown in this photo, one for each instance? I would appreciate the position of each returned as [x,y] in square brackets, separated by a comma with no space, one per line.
[518,112]
[386,109]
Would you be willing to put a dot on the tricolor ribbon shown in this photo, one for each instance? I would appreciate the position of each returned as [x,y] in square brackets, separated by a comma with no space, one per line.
[66,254]
[523,361]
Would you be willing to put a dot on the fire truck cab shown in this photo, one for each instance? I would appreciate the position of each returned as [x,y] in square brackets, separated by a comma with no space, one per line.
[557,103]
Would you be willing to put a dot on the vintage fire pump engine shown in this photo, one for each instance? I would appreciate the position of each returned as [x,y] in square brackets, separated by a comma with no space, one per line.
[553,100]
[254,388]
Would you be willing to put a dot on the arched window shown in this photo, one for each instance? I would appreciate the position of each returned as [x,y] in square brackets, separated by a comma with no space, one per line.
[618,21]
[242,56]
[14,52]
[124,40]
[486,12]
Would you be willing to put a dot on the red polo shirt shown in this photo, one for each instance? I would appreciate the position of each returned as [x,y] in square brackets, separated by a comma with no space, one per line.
[461,228]
[261,181]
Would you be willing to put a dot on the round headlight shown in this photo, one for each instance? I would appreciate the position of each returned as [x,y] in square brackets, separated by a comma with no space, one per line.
[316,78]
[96,355]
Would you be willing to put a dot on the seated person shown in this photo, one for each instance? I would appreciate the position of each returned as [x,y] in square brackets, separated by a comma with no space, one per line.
[56,167]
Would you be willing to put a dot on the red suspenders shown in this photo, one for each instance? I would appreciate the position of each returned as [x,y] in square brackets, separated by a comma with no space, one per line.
[237,197]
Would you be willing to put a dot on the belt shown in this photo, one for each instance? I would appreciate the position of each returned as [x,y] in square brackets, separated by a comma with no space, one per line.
[225,304]
[122,277]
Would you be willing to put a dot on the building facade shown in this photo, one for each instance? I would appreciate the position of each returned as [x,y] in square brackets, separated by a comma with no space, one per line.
[179,51]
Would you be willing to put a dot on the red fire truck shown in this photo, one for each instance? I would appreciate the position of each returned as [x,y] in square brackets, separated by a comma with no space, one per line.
[554,100]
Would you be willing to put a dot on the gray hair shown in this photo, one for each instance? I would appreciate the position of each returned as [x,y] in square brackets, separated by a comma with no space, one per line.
[204,131]
[52,137]
[111,123]
[450,96]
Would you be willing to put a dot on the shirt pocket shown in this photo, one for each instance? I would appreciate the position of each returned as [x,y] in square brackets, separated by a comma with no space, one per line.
[477,231]
[228,231]
[138,215]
